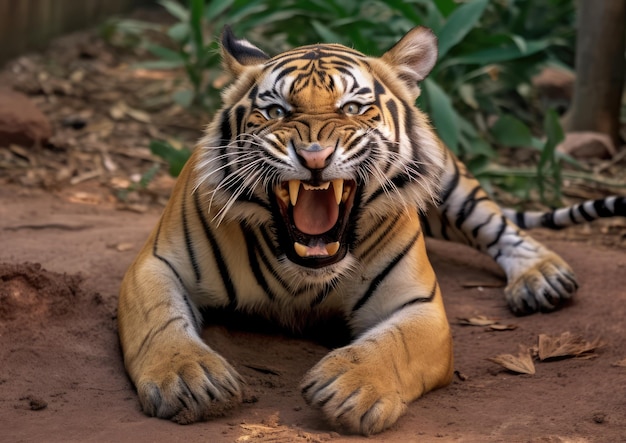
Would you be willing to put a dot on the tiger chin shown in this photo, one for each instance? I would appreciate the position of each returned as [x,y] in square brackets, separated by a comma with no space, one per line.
[311,193]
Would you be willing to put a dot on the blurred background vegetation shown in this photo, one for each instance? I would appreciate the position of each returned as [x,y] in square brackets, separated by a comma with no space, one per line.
[479,96]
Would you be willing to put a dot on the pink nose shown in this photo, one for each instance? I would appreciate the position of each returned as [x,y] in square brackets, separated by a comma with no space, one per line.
[315,157]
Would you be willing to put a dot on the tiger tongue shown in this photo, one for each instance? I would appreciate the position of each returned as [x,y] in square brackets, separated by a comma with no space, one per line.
[316,211]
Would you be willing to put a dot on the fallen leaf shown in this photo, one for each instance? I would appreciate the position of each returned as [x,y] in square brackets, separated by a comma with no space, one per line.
[123,247]
[499,327]
[620,364]
[479,320]
[522,363]
[567,345]
[136,114]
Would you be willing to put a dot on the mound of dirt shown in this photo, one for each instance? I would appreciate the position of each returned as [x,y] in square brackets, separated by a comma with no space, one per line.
[29,293]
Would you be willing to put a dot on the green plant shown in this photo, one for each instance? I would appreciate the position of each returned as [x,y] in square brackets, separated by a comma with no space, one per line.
[488,53]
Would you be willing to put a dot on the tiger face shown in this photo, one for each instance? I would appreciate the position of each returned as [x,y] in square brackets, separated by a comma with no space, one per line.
[320,138]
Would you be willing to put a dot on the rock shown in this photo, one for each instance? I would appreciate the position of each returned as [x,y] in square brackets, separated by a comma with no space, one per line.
[21,122]
[587,145]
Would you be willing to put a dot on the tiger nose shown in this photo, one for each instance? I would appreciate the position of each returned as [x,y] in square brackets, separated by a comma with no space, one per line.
[315,156]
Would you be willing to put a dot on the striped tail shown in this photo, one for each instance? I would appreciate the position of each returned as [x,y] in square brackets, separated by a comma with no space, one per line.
[576,214]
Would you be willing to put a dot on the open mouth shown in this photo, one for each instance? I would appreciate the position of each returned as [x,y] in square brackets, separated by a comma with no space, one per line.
[315,220]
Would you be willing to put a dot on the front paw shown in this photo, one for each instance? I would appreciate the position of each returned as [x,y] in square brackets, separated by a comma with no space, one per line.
[191,383]
[542,287]
[356,391]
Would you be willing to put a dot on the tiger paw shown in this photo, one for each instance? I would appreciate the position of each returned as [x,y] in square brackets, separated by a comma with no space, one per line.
[355,390]
[189,385]
[544,286]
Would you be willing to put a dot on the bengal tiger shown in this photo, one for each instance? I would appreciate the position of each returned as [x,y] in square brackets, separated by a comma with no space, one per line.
[310,194]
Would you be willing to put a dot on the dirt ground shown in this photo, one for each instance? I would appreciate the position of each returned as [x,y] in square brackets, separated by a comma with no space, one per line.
[67,236]
[62,377]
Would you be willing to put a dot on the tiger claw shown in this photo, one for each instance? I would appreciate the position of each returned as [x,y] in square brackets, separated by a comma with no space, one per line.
[543,288]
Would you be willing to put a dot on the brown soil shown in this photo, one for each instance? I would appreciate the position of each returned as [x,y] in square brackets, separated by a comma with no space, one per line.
[62,377]
[66,241]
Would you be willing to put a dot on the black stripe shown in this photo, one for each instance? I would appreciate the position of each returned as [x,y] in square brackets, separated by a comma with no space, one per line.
[548,221]
[424,222]
[197,322]
[217,255]
[483,224]
[399,181]
[153,333]
[451,185]
[415,300]
[380,277]
[601,208]
[240,112]
[253,250]
[581,210]
[468,206]
[500,232]
[619,206]
[381,240]
[520,220]
[393,110]
[572,214]
[187,234]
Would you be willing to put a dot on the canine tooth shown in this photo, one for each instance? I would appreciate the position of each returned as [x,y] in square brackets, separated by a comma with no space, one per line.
[300,249]
[332,248]
[321,187]
[294,188]
[346,194]
[338,188]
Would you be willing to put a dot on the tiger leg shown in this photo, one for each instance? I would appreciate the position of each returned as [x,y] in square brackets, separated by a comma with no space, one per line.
[537,278]
[176,374]
[403,349]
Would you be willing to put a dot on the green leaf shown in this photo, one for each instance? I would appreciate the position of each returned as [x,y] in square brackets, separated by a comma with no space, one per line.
[459,23]
[159,64]
[176,9]
[499,54]
[184,97]
[179,32]
[510,131]
[215,8]
[165,53]
[176,158]
[442,113]
[325,33]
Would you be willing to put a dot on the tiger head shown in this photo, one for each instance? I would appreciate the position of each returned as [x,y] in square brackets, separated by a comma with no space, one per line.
[318,141]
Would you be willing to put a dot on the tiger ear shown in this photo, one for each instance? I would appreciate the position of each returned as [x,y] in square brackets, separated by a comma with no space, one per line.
[414,56]
[237,54]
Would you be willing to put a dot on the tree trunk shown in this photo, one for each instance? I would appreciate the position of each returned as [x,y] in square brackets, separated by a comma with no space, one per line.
[599,67]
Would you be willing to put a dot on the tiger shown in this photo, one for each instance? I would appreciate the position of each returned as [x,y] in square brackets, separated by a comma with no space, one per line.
[309,195]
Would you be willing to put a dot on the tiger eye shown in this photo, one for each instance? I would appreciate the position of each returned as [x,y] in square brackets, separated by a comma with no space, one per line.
[275,112]
[351,108]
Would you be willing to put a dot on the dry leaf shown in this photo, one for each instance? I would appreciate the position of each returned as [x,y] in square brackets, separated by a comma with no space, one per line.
[522,363]
[123,247]
[479,320]
[499,327]
[567,345]
[136,114]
